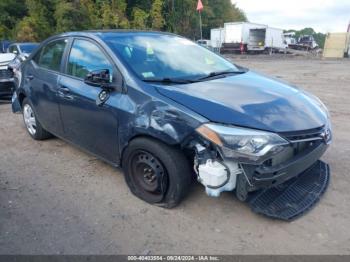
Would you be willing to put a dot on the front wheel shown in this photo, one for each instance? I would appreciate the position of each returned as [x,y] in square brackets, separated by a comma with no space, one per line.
[31,122]
[156,173]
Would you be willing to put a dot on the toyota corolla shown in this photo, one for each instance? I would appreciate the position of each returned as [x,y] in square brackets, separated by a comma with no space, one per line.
[167,110]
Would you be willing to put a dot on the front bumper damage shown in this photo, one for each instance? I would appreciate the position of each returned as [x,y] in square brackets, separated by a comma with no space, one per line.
[6,81]
[294,197]
[283,190]
[6,87]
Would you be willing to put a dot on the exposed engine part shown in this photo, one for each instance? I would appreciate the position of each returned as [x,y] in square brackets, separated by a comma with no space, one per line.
[213,173]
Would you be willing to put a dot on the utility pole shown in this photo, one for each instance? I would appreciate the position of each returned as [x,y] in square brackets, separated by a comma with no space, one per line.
[199,9]
[200,24]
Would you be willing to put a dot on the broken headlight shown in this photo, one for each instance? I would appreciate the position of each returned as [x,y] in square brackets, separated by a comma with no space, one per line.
[243,144]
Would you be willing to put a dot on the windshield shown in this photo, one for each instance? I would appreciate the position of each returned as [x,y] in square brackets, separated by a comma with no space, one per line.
[27,48]
[160,56]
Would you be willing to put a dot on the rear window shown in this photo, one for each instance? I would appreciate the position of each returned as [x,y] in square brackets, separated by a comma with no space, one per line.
[50,56]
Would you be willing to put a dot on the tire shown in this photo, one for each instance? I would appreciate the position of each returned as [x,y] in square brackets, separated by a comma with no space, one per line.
[32,124]
[168,165]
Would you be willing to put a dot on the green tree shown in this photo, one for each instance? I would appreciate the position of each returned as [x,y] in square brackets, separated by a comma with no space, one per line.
[70,16]
[220,12]
[38,19]
[92,9]
[145,5]
[119,8]
[109,19]
[139,18]
[156,15]
[10,13]
[113,14]
[25,30]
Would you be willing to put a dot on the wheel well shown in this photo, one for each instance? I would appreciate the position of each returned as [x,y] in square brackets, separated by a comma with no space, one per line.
[148,137]
[21,97]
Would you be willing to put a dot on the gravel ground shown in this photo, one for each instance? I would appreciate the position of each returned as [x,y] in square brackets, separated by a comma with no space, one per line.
[55,199]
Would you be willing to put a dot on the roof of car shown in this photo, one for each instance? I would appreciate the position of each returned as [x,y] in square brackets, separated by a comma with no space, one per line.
[24,43]
[124,31]
[112,31]
[98,34]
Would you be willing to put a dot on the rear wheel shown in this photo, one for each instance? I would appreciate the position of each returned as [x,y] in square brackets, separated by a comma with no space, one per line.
[32,124]
[156,172]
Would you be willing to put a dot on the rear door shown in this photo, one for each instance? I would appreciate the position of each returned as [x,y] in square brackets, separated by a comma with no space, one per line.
[41,76]
[87,125]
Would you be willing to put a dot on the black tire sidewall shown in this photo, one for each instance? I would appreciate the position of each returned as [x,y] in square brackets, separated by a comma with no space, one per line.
[179,176]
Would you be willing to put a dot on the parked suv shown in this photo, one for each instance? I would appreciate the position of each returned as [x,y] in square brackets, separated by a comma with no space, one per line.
[22,51]
[167,110]
[22,48]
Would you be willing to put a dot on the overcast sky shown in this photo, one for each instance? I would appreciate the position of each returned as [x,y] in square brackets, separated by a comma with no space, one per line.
[322,15]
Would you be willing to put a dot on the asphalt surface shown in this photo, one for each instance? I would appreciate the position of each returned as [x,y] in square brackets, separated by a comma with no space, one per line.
[56,199]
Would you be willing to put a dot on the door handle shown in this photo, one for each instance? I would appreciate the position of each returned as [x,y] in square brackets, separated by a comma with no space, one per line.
[64,92]
[30,77]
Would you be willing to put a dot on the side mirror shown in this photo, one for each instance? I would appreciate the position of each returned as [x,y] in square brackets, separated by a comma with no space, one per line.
[101,78]
[22,57]
[15,52]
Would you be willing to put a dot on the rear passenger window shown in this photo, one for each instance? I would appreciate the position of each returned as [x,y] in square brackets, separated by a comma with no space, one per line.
[51,55]
[86,57]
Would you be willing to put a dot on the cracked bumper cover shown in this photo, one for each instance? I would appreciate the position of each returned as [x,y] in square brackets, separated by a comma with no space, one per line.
[294,197]
[265,177]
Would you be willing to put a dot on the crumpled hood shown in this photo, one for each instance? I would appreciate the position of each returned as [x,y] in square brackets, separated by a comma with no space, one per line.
[250,100]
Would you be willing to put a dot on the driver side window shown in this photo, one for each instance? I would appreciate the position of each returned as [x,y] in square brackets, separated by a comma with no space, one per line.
[85,57]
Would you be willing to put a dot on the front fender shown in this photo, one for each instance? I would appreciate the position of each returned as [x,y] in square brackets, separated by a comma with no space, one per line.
[154,116]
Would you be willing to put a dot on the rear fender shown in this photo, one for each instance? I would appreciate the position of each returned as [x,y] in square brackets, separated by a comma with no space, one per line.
[16,106]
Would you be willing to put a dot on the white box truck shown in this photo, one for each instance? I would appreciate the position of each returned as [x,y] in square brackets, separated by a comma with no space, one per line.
[274,39]
[270,38]
[251,37]
[217,36]
[236,35]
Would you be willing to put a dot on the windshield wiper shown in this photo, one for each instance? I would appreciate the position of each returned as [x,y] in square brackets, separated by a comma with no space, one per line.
[168,80]
[219,73]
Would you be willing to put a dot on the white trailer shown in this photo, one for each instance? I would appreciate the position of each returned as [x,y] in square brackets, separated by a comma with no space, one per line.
[274,39]
[261,39]
[217,36]
[236,35]
[246,37]
[239,32]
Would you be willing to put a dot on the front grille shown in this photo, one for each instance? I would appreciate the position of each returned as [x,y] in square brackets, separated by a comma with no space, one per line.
[311,135]
[299,143]
[5,74]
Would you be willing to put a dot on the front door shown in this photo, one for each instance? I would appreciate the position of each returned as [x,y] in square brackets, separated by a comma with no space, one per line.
[87,125]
